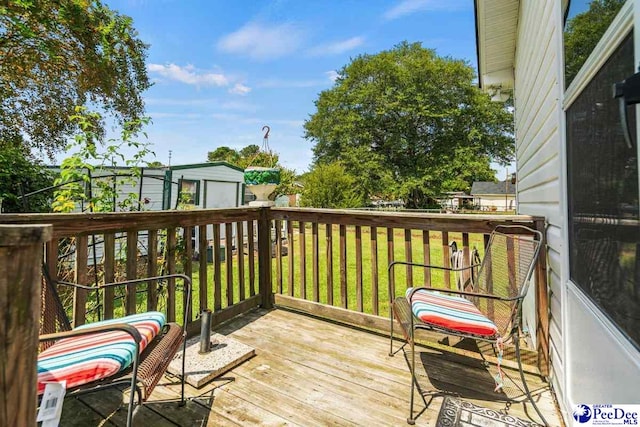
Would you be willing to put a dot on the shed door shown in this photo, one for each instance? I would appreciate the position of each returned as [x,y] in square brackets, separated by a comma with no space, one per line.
[220,194]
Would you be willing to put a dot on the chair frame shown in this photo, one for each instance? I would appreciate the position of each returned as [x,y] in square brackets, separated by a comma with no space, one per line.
[400,307]
[138,358]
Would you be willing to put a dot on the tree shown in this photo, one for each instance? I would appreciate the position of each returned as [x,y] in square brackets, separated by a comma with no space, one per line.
[330,186]
[583,31]
[56,55]
[18,169]
[410,123]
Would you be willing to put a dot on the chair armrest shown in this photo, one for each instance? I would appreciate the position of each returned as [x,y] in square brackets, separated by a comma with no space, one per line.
[131,330]
[471,294]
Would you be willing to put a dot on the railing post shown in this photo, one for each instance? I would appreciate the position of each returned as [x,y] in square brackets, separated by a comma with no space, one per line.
[264,257]
[21,254]
[542,303]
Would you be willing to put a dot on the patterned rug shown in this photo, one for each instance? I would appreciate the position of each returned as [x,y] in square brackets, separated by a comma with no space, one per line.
[459,413]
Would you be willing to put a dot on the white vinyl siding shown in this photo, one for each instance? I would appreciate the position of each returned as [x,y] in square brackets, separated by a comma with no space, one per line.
[214,173]
[538,107]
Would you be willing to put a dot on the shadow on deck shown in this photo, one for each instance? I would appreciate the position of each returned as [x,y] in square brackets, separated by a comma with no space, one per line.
[311,372]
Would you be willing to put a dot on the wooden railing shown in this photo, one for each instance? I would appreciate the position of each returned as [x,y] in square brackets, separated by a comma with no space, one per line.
[330,263]
[213,247]
[334,263]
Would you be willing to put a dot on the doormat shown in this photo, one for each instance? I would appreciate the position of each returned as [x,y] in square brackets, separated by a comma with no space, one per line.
[459,413]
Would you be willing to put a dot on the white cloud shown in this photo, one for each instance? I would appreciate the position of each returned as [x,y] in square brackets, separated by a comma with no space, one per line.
[407,7]
[332,75]
[189,75]
[338,47]
[240,89]
[259,41]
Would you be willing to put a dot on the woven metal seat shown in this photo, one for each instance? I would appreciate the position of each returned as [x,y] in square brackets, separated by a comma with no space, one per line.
[486,306]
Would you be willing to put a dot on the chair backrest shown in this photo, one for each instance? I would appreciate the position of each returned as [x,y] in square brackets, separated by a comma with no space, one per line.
[505,271]
[53,317]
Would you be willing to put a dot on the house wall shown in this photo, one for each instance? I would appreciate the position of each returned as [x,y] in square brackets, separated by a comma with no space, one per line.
[497,201]
[539,141]
[590,360]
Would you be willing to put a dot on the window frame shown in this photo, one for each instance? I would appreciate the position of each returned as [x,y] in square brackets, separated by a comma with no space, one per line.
[196,198]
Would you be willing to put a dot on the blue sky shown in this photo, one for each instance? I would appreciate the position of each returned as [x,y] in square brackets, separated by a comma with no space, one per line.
[223,69]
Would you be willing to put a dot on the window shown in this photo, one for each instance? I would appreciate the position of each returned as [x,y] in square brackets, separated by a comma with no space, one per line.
[189,193]
[602,172]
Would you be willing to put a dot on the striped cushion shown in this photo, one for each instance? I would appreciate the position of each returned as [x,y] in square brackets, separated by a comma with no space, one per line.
[81,360]
[451,312]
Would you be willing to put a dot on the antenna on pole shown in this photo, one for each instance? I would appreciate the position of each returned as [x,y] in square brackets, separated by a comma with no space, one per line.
[169,158]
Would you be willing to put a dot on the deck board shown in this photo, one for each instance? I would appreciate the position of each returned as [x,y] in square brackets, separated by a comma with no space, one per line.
[310,372]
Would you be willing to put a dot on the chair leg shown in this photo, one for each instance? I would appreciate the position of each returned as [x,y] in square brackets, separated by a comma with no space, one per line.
[524,382]
[391,328]
[184,357]
[412,420]
[134,389]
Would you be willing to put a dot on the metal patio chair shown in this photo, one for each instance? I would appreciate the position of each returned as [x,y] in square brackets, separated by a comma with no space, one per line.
[487,306]
[134,350]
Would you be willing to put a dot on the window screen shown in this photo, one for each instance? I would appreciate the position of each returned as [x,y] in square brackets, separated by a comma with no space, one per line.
[604,232]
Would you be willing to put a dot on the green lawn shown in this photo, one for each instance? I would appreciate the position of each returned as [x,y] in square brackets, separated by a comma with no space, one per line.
[417,254]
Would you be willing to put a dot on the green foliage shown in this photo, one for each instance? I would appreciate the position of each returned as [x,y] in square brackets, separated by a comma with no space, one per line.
[266,176]
[78,171]
[408,123]
[583,31]
[330,186]
[55,55]
[18,168]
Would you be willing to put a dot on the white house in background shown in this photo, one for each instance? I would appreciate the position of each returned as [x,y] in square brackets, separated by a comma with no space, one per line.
[494,196]
[576,168]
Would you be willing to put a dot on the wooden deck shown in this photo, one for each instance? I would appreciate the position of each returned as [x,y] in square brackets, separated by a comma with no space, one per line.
[311,372]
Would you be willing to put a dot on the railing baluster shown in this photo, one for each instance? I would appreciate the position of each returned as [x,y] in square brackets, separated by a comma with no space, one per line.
[228,242]
[278,225]
[408,254]
[252,258]
[446,262]
[511,263]
[152,269]
[329,236]
[203,275]
[390,259]
[240,257]
[374,270]
[48,309]
[188,266]
[359,303]
[171,269]
[343,265]
[109,273]
[132,270]
[291,249]
[303,260]
[315,262]
[426,251]
[466,275]
[264,258]
[80,295]
[217,269]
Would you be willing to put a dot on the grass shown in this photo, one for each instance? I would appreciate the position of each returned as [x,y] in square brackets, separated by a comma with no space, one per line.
[436,251]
